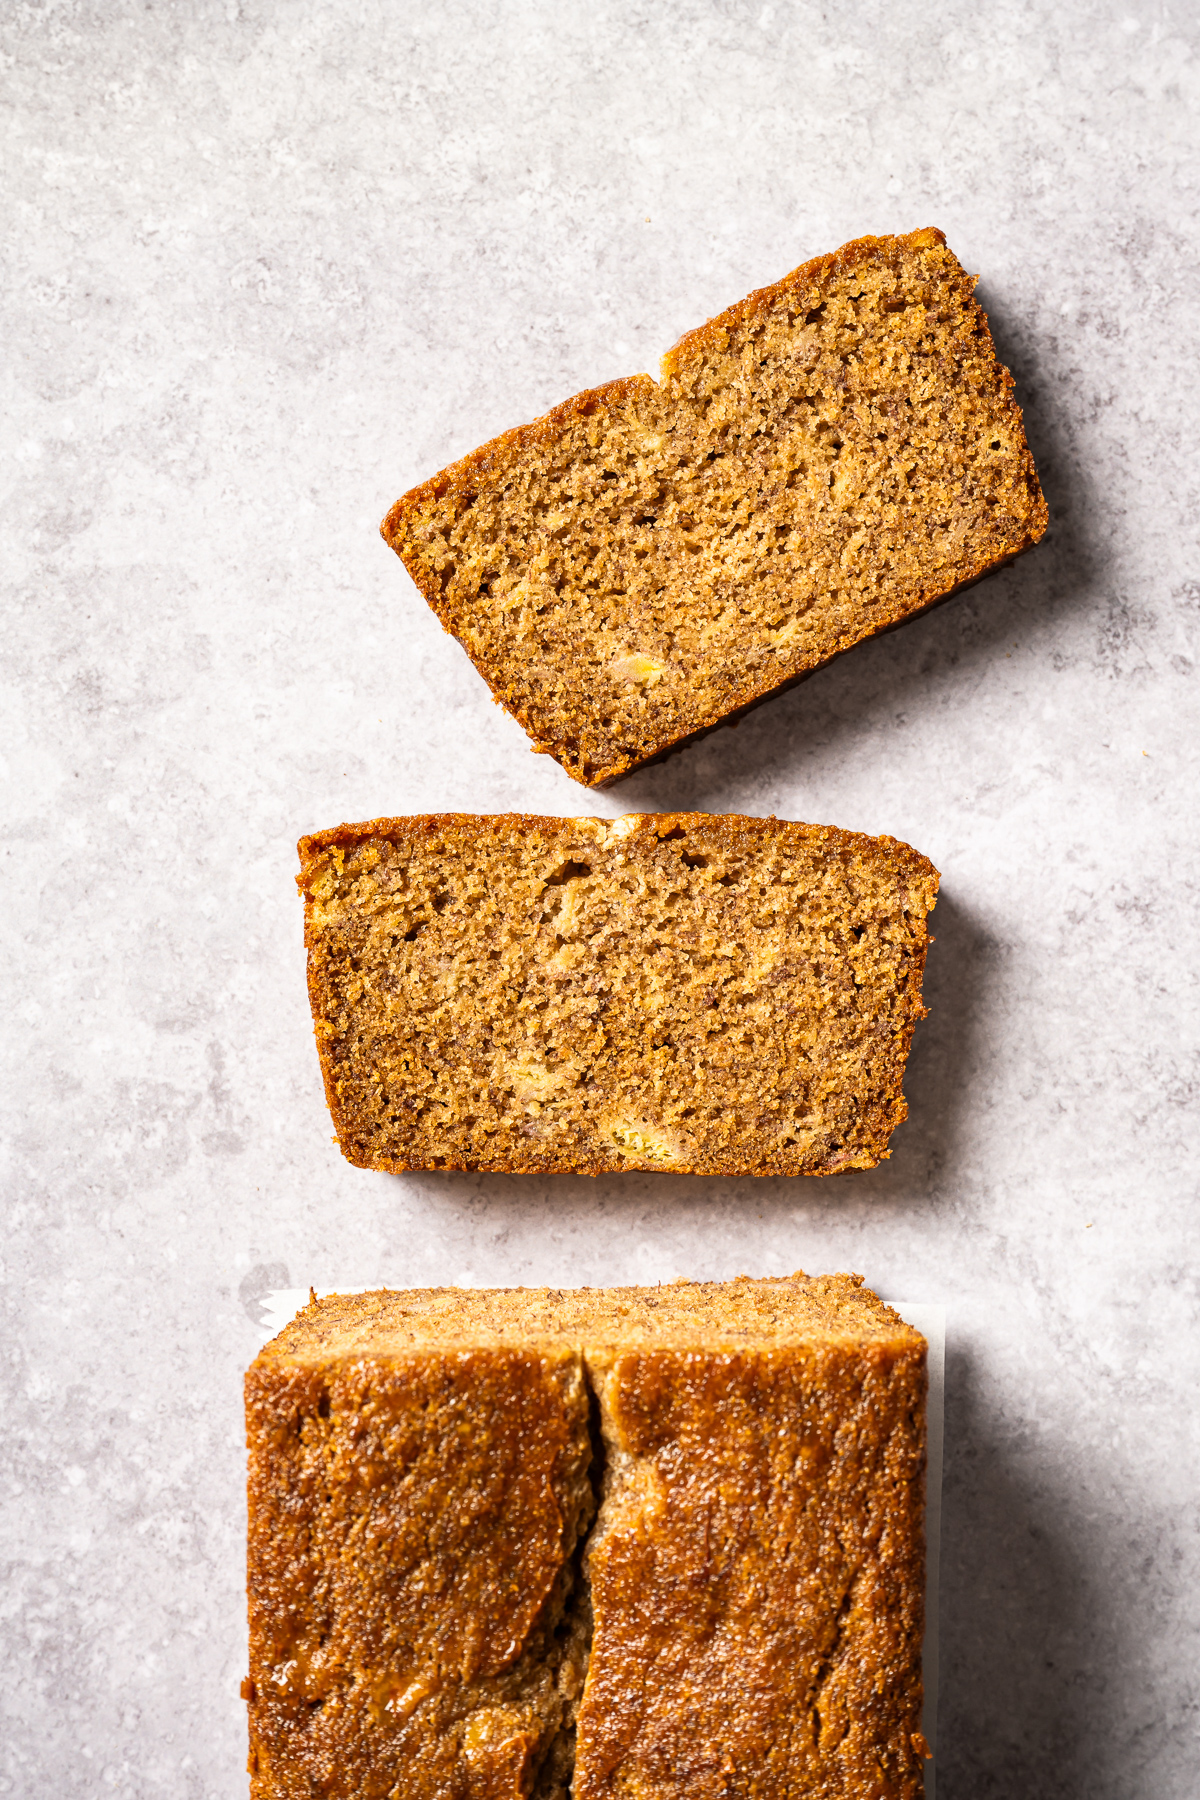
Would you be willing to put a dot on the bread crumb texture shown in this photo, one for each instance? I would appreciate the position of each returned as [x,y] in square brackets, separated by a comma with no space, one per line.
[652,1542]
[688,992]
[821,462]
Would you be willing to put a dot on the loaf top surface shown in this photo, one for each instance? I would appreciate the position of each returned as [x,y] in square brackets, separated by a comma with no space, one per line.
[439,1610]
[715,1316]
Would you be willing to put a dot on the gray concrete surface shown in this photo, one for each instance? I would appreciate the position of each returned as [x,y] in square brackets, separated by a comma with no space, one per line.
[269,264]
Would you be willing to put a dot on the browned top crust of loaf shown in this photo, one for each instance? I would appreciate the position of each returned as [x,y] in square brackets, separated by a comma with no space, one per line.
[822,461]
[756,1576]
[691,992]
[437,1608]
[413,1524]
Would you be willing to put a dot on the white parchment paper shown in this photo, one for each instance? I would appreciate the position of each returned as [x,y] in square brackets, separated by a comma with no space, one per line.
[930,1321]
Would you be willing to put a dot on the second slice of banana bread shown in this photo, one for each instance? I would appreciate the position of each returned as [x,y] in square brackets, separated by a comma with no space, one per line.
[674,991]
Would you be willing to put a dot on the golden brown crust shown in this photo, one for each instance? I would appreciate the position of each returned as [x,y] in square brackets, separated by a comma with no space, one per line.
[411,1526]
[757,1577]
[426,1600]
[702,994]
[619,622]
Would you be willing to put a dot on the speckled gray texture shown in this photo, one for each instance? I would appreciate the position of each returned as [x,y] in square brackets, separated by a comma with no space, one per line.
[270,264]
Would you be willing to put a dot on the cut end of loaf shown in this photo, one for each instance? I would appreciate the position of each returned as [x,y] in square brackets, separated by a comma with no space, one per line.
[719,1316]
[826,459]
[680,993]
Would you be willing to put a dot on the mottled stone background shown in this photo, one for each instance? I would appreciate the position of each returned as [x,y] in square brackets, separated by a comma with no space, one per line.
[267,265]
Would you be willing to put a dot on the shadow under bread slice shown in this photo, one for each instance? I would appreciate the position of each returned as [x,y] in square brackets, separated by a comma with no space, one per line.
[650,1541]
[819,463]
[692,992]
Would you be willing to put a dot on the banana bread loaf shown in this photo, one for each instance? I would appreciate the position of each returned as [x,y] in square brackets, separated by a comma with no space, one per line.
[821,462]
[677,991]
[438,1611]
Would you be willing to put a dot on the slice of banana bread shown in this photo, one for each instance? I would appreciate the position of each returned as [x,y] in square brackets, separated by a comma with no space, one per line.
[438,1612]
[821,462]
[681,991]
